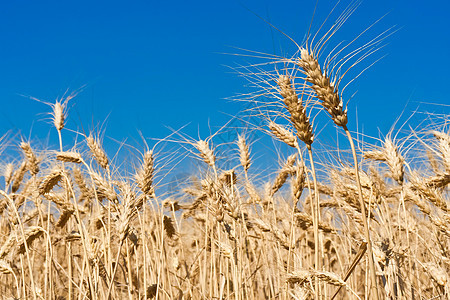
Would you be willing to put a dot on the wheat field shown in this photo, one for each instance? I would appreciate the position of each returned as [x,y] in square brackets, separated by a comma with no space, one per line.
[361,221]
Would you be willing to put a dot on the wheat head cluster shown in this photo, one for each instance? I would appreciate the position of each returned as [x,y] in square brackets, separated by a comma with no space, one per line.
[372,223]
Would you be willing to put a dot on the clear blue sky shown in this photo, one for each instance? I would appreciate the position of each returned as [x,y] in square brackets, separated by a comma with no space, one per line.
[150,64]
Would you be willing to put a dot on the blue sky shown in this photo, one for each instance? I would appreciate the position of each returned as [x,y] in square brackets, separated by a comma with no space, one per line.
[149,65]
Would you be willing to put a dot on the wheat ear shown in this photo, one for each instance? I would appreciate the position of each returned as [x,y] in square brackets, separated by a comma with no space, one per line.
[325,89]
[297,111]
[69,156]
[444,147]
[283,174]
[244,153]
[144,177]
[206,153]
[283,134]
[32,161]
[97,152]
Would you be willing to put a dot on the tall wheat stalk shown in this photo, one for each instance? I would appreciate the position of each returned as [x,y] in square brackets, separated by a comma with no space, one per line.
[327,92]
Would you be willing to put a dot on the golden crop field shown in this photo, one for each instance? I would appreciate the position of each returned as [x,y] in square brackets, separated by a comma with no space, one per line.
[359,221]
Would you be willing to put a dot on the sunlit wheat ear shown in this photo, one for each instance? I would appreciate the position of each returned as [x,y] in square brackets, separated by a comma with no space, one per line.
[7,246]
[444,147]
[86,192]
[32,161]
[5,267]
[58,115]
[97,151]
[69,156]
[283,174]
[8,173]
[323,87]
[283,134]
[104,188]
[144,177]
[304,276]
[244,153]
[429,189]
[391,155]
[298,182]
[437,273]
[206,153]
[60,112]
[31,233]
[18,176]
[304,221]
[50,181]
[297,111]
